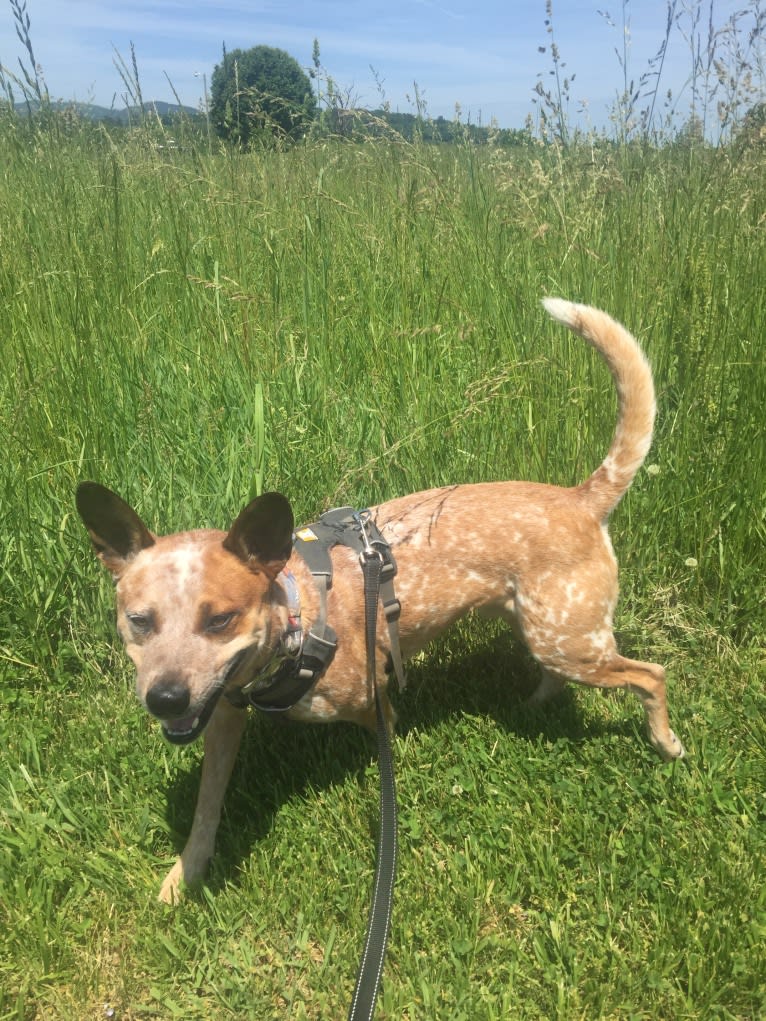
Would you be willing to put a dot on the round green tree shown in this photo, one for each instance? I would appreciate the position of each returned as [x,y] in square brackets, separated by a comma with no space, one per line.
[258,91]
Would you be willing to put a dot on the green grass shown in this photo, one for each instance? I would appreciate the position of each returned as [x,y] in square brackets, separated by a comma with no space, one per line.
[385,298]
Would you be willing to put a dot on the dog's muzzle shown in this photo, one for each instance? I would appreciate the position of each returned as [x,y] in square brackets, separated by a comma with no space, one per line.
[168,700]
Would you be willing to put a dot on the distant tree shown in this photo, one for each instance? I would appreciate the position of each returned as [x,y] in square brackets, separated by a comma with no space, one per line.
[260,91]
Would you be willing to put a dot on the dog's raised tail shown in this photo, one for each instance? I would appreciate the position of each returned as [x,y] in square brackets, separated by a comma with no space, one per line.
[635,393]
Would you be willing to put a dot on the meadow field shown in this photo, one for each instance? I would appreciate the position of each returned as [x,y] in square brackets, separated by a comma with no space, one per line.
[346,323]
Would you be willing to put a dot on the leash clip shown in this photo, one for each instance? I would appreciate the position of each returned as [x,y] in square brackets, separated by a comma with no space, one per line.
[369,552]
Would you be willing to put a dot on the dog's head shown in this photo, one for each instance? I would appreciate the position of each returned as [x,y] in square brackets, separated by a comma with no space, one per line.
[197,611]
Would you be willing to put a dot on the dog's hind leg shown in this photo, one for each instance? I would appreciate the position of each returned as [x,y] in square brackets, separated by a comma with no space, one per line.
[646,680]
[551,683]
[573,640]
[549,686]
[222,738]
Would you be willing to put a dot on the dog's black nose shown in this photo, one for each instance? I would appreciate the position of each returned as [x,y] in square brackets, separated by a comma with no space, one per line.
[168,699]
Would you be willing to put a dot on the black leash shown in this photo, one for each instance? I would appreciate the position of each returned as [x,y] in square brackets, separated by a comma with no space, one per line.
[296,671]
[379,921]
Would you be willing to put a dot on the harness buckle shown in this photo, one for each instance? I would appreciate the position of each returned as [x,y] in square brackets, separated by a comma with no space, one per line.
[392,610]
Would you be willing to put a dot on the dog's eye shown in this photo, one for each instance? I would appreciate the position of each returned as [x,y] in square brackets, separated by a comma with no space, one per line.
[219,621]
[141,623]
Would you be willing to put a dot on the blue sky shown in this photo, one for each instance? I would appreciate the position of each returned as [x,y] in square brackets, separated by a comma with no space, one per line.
[481,54]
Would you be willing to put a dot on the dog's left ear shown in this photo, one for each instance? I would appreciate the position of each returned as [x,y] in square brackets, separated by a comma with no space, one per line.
[262,535]
[116,531]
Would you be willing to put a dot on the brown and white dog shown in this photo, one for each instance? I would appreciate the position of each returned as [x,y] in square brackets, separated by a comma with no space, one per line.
[202,612]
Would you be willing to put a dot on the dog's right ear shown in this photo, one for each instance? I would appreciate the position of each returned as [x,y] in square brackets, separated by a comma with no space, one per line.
[116,531]
[262,535]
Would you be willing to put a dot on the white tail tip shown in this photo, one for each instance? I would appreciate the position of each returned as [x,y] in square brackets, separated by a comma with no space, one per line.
[566,312]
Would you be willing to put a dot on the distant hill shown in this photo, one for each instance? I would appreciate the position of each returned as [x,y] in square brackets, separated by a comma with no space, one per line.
[127,115]
[354,123]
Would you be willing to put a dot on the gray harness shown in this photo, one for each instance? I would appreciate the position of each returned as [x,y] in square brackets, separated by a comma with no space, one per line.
[303,659]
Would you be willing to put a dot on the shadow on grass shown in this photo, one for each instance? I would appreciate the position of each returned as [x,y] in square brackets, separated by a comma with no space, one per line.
[280,760]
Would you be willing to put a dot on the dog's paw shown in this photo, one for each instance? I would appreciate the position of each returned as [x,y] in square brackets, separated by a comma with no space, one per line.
[670,750]
[678,749]
[170,891]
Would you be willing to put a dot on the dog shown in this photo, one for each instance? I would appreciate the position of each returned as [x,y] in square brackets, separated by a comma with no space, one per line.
[203,612]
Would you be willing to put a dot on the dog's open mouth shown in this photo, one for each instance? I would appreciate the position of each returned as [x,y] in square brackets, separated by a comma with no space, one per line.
[186,729]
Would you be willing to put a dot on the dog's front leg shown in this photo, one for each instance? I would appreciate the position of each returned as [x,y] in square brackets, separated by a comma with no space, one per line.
[222,738]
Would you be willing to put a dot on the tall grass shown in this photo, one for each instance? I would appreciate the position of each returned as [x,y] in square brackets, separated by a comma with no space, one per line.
[382,298]
[386,299]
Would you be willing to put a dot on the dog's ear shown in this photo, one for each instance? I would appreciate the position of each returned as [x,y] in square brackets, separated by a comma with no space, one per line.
[262,535]
[116,531]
